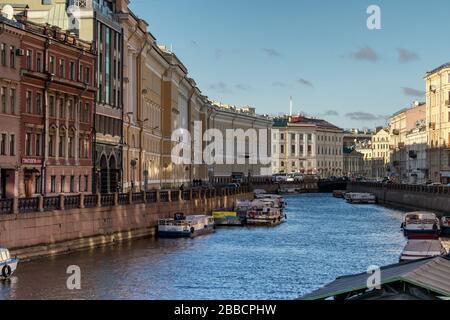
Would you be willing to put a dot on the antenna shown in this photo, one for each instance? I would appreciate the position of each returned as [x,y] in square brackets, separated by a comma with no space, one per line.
[290,106]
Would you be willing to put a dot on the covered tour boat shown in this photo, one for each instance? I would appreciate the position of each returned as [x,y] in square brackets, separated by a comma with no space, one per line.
[264,212]
[8,265]
[421,225]
[421,249]
[360,198]
[185,226]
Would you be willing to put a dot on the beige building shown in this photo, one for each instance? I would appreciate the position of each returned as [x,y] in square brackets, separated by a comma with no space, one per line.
[144,65]
[353,163]
[306,145]
[376,155]
[240,163]
[401,125]
[438,123]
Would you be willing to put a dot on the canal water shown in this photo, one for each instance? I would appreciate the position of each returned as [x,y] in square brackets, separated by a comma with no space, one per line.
[322,239]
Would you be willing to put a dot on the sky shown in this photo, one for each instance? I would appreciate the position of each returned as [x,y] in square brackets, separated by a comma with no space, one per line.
[320,52]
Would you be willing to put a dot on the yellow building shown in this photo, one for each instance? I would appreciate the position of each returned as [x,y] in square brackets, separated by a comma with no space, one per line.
[438,123]
[144,64]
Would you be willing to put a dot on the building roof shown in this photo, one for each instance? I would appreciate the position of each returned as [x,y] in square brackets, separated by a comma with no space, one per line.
[302,120]
[444,66]
[432,274]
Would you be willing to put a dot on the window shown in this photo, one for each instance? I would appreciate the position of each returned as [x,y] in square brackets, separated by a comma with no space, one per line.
[70,147]
[282,136]
[51,145]
[39,103]
[29,59]
[3,54]
[62,68]
[29,103]
[52,107]
[52,64]
[63,184]
[39,145]
[12,100]
[62,109]
[38,185]
[12,57]
[39,62]
[72,71]
[3,98]
[3,145]
[53,184]
[72,184]
[293,150]
[293,136]
[80,72]
[62,146]
[86,116]
[86,183]
[86,148]
[282,149]
[88,76]
[71,110]
[29,144]
[12,145]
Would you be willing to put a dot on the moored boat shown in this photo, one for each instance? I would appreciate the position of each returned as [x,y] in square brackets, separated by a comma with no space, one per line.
[185,226]
[264,212]
[227,218]
[8,265]
[339,193]
[278,201]
[360,198]
[421,225]
[420,249]
[445,226]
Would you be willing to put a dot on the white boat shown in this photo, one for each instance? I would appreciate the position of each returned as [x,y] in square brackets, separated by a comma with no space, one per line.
[189,226]
[277,199]
[421,225]
[8,265]
[361,198]
[421,249]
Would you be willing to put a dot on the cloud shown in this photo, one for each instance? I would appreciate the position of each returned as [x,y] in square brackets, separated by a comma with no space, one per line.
[363,116]
[221,87]
[411,92]
[218,53]
[279,84]
[243,87]
[271,52]
[305,82]
[331,113]
[366,53]
[405,55]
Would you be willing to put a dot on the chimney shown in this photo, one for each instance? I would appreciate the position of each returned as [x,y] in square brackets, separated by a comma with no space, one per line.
[290,106]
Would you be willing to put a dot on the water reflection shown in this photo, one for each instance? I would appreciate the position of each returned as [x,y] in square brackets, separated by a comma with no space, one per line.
[322,239]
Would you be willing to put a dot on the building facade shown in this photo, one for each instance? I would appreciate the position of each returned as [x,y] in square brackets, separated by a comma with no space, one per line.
[10,66]
[401,124]
[52,107]
[353,163]
[309,146]
[438,123]
[97,23]
[253,159]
